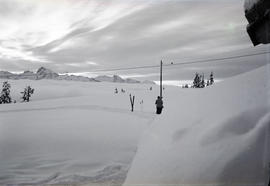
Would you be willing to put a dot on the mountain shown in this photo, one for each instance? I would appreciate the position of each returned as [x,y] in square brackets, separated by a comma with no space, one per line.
[27,75]
[104,78]
[129,80]
[44,73]
[7,75]
[116,79]
[75,78]
[149,82]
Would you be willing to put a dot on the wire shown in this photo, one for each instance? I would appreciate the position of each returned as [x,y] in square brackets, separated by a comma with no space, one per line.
[182,63]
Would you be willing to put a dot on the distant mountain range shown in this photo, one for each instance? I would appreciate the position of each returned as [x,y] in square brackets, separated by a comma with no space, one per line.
[44,73]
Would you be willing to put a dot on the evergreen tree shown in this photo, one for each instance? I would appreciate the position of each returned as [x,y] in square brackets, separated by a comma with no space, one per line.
[26,94]
[5,93]
[202,82]
[196,81]
[211,78]
[208,83]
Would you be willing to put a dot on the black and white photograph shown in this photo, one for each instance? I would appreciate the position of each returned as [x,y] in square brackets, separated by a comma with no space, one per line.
[134,92]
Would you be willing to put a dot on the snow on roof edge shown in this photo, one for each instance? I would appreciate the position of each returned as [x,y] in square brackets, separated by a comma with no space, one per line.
[250,3]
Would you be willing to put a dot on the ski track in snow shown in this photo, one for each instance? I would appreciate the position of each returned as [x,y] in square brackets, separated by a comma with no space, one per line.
[146,115]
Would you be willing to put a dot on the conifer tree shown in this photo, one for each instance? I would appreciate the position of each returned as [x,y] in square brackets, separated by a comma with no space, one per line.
[208,83]
[5,93]
[202,82]
[26,94]
[211,78]
[196,82]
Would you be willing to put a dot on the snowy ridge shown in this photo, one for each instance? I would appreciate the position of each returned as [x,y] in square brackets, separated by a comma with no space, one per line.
[44,73]
[218,135]
[116,79]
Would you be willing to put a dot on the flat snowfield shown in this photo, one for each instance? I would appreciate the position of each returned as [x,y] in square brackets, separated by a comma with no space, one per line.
[72,132]
[84,133]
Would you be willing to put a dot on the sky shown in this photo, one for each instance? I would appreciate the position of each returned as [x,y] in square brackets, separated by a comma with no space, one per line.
[82,36]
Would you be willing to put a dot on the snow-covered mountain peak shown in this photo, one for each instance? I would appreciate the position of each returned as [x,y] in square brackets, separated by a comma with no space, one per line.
[43,72]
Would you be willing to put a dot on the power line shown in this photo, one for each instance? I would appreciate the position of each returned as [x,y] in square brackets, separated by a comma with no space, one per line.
[220,59]
[182,63]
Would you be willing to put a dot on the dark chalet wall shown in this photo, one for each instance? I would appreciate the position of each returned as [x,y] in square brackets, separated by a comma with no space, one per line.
[259,22]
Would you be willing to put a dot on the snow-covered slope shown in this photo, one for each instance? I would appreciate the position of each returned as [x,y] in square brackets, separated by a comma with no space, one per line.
[75,78]
[44,73]
[212,136]
[129,80]
[7,75]
[83,133]
[27,75]
[104,78]
[71,132]
[116,79]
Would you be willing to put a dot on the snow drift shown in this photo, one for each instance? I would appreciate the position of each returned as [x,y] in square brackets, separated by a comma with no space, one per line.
[214,136]
[71,133]
[82,133]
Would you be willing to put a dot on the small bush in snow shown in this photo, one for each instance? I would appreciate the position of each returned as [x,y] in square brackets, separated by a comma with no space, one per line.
[28,91]
[5,93]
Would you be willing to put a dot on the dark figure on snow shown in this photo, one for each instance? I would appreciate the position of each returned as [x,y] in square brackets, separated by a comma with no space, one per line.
[269,175]
[159,105]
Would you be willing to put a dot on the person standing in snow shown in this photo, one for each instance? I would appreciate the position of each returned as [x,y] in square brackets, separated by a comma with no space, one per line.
[269,174]
[159,105]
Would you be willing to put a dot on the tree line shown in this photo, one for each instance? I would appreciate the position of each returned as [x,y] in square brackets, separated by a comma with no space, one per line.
[5,96]
[200,82]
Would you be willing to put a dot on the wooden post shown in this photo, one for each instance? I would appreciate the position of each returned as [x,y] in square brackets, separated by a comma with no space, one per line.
[161,79]
[132,102]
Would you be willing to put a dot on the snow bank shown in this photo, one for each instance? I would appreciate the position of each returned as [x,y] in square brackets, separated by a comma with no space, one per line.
[250,3]
[71,132]
[216,135]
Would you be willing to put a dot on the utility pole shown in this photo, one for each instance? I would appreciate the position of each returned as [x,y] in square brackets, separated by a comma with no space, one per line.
[161,79]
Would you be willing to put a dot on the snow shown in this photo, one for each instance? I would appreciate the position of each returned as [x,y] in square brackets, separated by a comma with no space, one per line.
[70,132]
[250,3]
[46,73]
[218,135]
[82,133]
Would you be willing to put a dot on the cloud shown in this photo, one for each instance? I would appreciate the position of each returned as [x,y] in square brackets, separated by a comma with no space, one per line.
[84,64]
[87,35]
[31,24]
[20,54]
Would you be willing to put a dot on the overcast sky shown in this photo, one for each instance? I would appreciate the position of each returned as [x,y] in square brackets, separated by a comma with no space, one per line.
[79,36]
